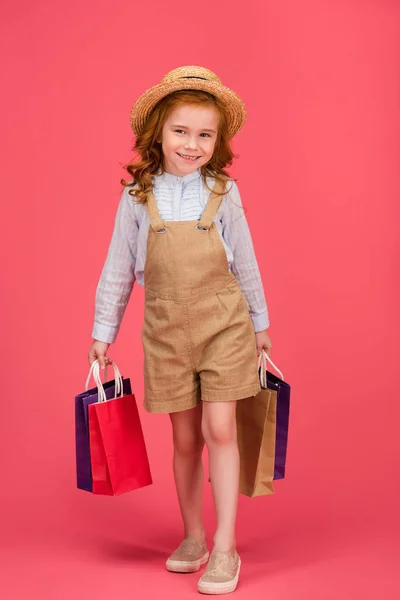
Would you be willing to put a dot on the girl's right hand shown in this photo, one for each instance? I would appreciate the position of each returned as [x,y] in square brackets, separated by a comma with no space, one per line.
[98,352]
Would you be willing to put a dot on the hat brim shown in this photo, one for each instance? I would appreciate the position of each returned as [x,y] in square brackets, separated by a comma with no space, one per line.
[233,104]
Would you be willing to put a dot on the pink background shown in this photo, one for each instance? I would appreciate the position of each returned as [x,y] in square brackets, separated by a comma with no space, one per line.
[318,173]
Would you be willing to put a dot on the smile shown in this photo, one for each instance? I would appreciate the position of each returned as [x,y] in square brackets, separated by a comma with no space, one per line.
[187,157]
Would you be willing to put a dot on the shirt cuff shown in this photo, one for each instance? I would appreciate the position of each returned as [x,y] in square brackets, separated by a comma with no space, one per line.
[260,322]
[104,333]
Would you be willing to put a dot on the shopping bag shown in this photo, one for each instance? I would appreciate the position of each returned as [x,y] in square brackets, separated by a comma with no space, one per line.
[256,435]
[282,389]
[118,455]
[82,449]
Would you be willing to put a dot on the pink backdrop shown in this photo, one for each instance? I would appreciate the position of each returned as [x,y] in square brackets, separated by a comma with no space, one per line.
[318,173]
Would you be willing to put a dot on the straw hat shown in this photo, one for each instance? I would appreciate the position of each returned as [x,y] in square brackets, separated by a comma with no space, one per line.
[189,78]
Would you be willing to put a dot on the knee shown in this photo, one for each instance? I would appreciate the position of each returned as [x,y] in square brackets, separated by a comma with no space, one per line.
[219,433]
[188,443]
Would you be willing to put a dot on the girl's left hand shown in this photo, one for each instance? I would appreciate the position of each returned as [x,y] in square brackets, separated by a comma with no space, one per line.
[263,342]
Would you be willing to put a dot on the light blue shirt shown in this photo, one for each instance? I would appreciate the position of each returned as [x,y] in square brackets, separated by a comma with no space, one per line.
[178,199]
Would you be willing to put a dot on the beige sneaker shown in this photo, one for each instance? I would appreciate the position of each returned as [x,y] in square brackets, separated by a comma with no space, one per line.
[221,575]
[188,557]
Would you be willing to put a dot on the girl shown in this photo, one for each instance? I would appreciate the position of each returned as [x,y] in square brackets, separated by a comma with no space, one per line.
[180,231]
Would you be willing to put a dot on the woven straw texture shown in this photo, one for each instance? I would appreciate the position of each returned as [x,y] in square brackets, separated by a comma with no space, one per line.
[189,78]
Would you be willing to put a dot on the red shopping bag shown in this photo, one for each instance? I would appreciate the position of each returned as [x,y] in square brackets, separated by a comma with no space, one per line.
[118,455]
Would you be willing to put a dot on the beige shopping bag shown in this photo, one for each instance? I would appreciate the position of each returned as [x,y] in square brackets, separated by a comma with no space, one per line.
[256,431]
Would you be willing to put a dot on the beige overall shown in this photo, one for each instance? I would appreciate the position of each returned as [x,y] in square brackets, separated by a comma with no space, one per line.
[198,336]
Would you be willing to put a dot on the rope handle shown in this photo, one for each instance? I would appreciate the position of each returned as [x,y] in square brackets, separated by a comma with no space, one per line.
[95,372]
[118,383]
[262,362]
[90,375]
[91,372]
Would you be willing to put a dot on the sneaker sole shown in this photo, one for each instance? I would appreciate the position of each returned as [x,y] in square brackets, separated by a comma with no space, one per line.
[219,588]
[186,566]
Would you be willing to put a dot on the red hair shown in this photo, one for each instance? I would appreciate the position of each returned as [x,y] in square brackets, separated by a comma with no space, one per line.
[149,152]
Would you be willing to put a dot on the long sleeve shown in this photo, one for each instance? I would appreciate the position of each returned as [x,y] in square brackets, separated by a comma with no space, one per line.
[236,233]
[118,275]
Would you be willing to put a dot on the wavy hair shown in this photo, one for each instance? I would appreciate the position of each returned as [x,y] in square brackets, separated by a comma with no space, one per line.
[149,156]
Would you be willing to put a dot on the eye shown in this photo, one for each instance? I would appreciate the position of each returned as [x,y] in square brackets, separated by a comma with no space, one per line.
[182,131]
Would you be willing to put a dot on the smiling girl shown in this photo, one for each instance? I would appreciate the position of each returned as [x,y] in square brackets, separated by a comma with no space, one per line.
[180,231]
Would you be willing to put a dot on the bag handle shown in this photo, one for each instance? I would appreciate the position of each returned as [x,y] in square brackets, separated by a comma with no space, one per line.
[90,375]
[95,372]
[91,372]
[262,362]
[118,383]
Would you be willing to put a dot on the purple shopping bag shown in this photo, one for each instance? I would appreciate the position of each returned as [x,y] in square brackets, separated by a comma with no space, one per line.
[82,446]
[282,422]
[282,389]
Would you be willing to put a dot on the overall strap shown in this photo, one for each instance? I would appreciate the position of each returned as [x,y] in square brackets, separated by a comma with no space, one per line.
[155,219]
[213,204]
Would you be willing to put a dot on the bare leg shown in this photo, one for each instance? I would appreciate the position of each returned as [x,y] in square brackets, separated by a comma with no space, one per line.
[188,469]
[219,431]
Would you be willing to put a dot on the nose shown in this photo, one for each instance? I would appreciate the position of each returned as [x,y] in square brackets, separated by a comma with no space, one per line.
[191,143]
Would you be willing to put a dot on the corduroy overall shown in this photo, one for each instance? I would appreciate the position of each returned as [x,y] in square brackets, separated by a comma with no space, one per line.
[198,336]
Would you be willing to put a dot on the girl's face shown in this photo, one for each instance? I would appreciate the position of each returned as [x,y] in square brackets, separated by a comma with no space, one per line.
[188,138]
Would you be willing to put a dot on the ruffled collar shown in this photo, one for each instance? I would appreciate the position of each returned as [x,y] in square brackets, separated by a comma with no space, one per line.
[184,179]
